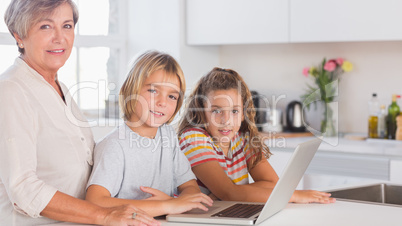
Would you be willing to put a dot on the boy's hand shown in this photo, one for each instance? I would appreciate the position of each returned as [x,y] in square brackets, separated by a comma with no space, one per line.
[155,194]
[188,202]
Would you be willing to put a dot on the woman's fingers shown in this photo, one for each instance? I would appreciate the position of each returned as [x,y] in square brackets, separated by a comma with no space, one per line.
[139,217]
[143,219]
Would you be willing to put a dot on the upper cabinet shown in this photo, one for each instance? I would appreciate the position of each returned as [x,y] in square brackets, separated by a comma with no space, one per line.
[218,22]
[345,20]
[225,22]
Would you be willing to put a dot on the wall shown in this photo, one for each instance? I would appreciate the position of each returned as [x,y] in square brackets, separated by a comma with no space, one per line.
[160,25]
[272,69]
[276,69]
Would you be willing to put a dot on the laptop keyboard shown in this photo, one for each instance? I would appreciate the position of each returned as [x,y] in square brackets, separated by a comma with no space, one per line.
[240,210]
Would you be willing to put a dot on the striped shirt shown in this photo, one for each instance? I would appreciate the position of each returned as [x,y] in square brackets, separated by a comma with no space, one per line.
[198,146]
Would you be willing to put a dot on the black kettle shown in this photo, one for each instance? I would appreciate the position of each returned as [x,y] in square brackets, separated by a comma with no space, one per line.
[295,117]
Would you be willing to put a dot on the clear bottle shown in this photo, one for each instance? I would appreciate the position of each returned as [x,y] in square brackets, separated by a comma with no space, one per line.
[382,123]
[374,108]
[393,111]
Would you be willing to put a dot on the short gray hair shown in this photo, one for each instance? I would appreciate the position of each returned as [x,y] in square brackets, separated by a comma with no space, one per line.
[21,15]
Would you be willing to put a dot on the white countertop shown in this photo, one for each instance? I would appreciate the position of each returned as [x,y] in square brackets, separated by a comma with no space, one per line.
[391,148]
[335,214]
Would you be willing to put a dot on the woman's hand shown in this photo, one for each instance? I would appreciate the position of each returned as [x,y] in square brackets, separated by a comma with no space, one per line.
[310,196]
[155,194]
[188,202]
[123,215]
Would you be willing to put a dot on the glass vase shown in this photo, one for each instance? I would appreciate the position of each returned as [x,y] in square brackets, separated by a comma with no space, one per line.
[329,123]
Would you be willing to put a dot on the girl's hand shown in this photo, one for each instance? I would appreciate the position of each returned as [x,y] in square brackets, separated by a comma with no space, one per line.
[188,202]
[155,194]
[123,215]
[309,196]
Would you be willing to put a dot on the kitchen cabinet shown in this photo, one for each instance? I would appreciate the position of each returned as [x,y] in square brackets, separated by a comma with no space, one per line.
[395,171]
[218,22]
[345,20]
[348,162]
[334,169]
[227,22]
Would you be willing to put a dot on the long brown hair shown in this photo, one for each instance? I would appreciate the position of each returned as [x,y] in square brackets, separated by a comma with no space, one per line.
[225,79]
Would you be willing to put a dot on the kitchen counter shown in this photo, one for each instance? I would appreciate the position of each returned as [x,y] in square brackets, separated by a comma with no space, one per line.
[339,158]
[335,214]
[391,148]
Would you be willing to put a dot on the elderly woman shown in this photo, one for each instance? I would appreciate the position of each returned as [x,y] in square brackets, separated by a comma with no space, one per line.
[45,146]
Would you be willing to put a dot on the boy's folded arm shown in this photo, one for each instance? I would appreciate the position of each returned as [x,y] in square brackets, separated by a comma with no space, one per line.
[215,179]
[101,196]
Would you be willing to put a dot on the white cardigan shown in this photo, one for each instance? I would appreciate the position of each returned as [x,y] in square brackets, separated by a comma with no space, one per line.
[46,146]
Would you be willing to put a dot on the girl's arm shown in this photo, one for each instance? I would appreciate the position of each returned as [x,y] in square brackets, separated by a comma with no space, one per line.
[153,206]
[264,175]
[212,175]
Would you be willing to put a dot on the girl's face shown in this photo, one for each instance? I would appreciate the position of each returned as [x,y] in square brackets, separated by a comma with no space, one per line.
[224,114]
[157,100]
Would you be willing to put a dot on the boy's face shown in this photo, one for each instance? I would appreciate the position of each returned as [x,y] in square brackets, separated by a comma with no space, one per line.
[224,114]
[157,100]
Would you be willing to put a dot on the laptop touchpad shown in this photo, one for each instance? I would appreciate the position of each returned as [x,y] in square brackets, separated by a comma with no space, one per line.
[200,211]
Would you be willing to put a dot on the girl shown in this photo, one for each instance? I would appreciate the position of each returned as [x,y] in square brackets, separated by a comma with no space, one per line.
[219,138]
[140,162]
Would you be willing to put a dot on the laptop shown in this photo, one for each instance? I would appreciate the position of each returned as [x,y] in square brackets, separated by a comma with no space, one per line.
[230,212]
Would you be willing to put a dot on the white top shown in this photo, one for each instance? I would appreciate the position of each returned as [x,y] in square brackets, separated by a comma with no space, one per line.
[45,145]
[124,161]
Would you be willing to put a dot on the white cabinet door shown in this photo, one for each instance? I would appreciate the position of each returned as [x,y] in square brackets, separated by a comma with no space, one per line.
[220,22]
[396,171]
[345,20]
[279,159]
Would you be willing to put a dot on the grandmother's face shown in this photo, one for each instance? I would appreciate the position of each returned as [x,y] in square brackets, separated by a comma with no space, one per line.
[49,42]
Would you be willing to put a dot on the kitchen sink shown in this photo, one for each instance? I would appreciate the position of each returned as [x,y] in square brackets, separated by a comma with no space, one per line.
[383,194]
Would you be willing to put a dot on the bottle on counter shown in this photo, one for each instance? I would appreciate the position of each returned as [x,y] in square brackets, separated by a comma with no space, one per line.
[393,112]
[373,117]
[382,123]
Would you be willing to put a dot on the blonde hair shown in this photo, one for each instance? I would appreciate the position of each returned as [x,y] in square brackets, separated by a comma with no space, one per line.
[21,15]
[225,79]
[142,68]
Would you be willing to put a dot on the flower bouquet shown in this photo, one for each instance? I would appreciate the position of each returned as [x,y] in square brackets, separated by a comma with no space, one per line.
[326,78]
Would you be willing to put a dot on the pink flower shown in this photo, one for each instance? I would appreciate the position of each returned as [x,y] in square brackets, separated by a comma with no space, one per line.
[305,71]
[339,61]
[330,66]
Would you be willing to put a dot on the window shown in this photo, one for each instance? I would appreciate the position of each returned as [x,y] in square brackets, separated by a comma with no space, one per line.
[95,69]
